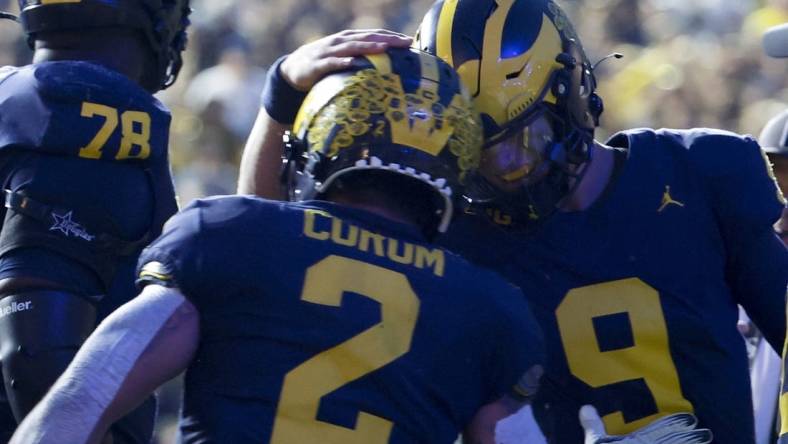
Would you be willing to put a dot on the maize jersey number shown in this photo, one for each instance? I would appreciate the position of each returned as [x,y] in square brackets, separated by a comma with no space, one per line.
[304,386]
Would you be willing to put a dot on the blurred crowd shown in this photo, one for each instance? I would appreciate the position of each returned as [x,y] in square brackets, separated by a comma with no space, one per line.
[686,64]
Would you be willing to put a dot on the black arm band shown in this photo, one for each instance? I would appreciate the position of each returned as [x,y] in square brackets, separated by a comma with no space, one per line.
[280,100]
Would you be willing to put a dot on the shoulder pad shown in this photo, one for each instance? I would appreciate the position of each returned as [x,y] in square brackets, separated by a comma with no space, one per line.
[690,139]
[220,211]
[175,255]
[717,153]
[24,114]
[198,244]
[736,171]
[214,216]
[78,81]
[83,110]
[623,139]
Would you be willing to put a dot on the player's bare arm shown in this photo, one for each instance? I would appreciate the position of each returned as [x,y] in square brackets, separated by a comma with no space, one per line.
[481,430]
[139,347]
[260,165]
[260,162]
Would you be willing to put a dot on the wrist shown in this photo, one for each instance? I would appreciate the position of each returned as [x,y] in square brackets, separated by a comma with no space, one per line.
[283,73]
[280,98]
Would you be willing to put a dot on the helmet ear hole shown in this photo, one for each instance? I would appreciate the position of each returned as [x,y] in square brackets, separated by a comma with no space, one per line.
[561,85]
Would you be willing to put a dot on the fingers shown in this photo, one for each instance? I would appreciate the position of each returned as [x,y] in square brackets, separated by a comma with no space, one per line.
[312,61]
[394,39]
[374,31]
[677,422]
[355,48]
[331,64]
[592,424]
[700,436]
[678,428]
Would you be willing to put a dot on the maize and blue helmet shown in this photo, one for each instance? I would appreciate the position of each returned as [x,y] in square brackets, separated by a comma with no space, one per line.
[403,112]
[534,87]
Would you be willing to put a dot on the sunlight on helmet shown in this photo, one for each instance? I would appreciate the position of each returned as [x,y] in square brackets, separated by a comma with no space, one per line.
[534,87]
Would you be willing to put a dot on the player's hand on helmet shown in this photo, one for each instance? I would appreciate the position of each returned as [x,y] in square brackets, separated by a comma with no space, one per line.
[309,63]
[679,428]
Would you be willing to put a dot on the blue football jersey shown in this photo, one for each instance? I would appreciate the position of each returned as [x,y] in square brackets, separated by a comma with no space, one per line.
[322,323]
[84,169]
[83,110]
[637,296]
[91,147]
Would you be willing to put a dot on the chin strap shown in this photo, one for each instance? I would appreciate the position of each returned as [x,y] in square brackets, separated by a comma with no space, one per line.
[9,16]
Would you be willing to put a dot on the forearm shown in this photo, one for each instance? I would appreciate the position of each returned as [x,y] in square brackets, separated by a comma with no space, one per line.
[61,418]
[262,159]
[481,430]
[134,350]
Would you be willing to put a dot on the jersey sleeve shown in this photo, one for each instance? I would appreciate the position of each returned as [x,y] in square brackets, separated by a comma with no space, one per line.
[747,202]
[25,115]
[175,259]
[80,109]
[742,184]
[209,249]
[518,354]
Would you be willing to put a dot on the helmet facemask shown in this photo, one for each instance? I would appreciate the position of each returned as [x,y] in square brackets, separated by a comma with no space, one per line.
[534,87]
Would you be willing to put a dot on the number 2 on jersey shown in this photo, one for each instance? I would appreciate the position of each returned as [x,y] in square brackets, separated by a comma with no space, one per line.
[648,358]
[304,386]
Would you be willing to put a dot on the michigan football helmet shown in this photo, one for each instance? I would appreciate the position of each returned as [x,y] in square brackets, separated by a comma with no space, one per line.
[404,112]
[534,86]
[162,22]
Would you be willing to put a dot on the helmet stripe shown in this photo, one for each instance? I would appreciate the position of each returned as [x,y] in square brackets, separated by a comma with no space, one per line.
[443,35]
[493,71]
[381,62]
[429,71]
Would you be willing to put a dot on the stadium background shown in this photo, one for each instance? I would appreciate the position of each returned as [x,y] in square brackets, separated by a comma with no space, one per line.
[687,63]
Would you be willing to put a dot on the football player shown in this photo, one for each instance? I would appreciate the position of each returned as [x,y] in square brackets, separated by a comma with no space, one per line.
[85,176]
[765,370]
[331,318]
[633,253]
[774,139]
[778,153]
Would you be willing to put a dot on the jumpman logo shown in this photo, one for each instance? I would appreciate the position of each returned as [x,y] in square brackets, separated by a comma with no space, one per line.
[668,200]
